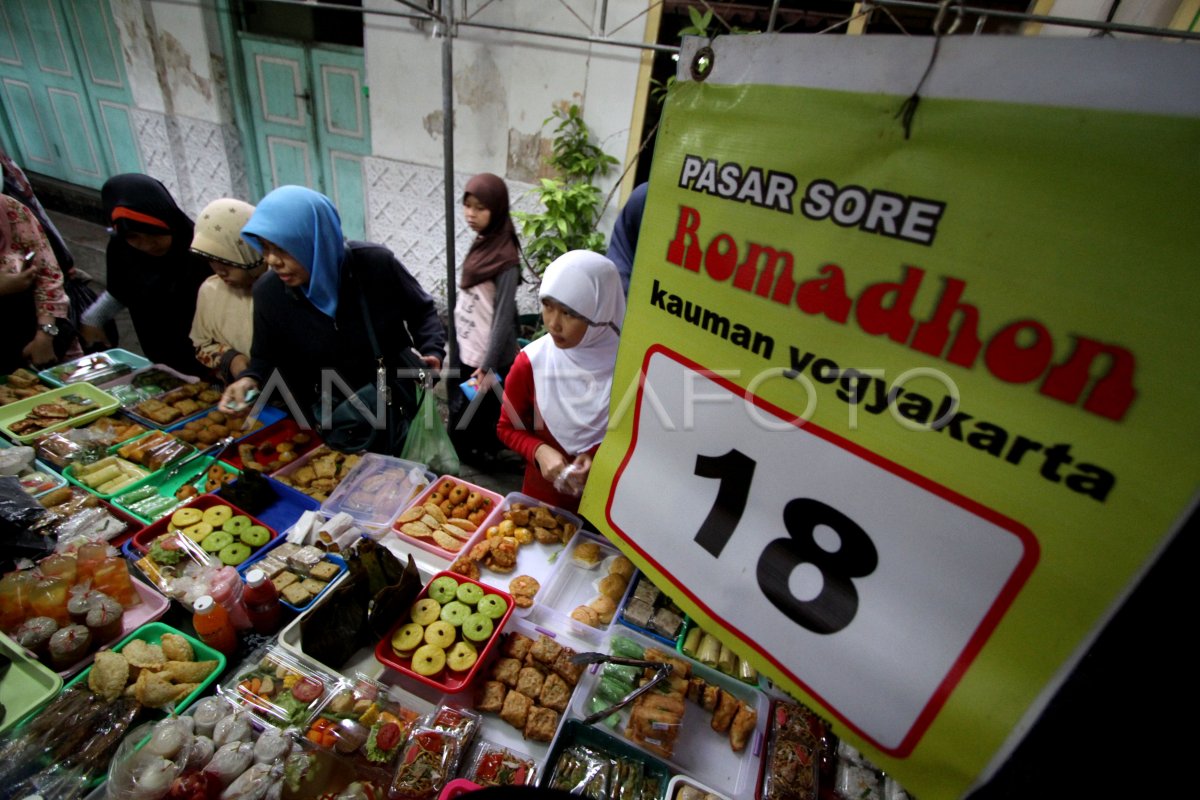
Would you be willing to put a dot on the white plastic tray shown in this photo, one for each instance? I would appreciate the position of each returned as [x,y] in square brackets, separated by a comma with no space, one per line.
[699,751]
[570,585]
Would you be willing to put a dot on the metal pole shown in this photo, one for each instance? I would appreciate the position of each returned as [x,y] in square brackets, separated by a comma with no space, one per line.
[448,157]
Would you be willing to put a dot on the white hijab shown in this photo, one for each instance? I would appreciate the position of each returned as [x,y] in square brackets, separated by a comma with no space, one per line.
[573,386]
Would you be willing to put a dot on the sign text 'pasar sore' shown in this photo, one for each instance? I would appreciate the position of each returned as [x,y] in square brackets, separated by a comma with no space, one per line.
[1019,352]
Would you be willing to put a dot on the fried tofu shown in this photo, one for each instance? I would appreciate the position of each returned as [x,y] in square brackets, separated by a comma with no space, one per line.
[545,650]
[529,681]
[517,645]
[541,724]
[491,697]
[565,668]
[506,671]
[516,709]
[555,694]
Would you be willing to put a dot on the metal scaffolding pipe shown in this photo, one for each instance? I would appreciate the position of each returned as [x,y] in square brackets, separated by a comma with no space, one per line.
[448,154]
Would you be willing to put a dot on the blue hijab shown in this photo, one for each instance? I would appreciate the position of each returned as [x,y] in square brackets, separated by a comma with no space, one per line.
[306,225]
[623,244]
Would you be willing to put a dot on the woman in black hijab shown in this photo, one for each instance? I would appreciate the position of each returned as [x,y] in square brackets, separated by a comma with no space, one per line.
[151,271]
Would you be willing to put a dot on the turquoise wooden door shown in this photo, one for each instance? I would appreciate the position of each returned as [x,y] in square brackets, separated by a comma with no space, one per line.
[65,95]
[311,125]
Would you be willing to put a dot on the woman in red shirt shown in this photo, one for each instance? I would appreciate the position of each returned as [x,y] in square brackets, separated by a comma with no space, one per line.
[557,392]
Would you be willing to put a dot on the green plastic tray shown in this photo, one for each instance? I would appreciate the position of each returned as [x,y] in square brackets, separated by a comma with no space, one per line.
[152,633]
[69,473]
[194,473]
[54,375]
[15,412]
[26,685]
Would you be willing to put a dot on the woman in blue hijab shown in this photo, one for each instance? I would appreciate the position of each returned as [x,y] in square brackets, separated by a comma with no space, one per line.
[310,329]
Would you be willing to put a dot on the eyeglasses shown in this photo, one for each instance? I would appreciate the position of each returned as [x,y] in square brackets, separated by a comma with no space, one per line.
[226,262]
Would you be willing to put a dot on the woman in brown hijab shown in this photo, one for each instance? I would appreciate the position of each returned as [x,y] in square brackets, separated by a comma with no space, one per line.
[485,318]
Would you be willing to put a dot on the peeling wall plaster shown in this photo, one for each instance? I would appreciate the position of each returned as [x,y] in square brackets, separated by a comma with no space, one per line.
[175,67]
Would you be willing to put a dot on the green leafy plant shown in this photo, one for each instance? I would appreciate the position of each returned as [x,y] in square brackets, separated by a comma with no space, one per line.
[571,202]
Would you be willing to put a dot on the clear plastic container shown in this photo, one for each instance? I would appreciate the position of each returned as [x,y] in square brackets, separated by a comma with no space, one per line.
[377,490]
[281,688]
[694,748]
[575,585]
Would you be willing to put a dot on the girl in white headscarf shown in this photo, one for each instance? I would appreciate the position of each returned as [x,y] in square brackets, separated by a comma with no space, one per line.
[557,392]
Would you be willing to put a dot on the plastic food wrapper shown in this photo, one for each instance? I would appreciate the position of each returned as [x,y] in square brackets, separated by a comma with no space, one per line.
[364,720]
[568,481]
[492,765]
[584,771]
[280,688]
[178,567]
[94,523]
[154,450]
[149,759]
[15,460]
[795,740]
[427,763]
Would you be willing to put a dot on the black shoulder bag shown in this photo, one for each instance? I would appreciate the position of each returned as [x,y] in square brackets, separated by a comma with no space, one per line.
[376,417]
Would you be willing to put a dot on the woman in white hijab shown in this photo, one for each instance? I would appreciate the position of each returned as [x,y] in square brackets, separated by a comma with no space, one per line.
[557,392]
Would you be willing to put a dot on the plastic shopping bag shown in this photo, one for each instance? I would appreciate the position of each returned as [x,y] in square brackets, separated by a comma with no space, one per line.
[428,442]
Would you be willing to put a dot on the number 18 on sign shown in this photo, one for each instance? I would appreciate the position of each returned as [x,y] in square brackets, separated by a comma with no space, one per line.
[861,581]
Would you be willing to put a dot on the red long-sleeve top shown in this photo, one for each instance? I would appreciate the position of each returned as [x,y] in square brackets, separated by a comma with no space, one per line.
[526,432]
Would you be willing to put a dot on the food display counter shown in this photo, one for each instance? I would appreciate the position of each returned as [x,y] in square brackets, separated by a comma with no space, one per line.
[496,637]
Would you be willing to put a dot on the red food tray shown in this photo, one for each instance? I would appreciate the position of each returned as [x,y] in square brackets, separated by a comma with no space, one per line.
[446,680]
[281,431]
[494,499]
[142,540]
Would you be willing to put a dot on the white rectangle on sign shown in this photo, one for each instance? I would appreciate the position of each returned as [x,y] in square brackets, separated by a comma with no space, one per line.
[870,585]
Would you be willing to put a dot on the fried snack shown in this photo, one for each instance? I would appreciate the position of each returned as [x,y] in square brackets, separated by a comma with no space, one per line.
[621,566]
[466,567]
[545,650]
[517,645]
[176,648]
[555,693]
[506,671]
[613,586]
[187,671]
[565,668]
[109,674]
[141,655]
[529,681]
[587,553]
[727,707]
[515,709]
[743,725]
[604,608]
[154,690]
[523,588]
[540,724]
[491,697]
[586,615]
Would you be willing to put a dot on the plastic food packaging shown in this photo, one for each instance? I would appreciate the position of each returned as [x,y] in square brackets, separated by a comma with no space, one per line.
[281,688]
[427,764]
[149,759]
[795,739]
[492,765]
[568,481]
